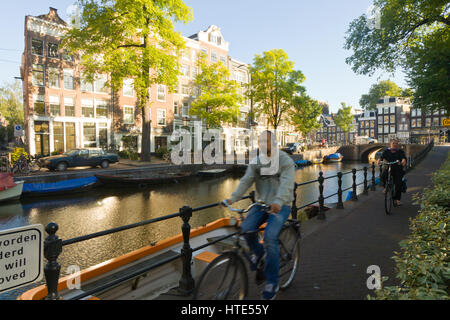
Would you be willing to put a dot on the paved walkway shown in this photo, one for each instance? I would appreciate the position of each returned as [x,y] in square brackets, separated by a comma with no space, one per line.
[337,252]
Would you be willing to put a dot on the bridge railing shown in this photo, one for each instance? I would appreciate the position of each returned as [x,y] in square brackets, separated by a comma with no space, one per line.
[53,246]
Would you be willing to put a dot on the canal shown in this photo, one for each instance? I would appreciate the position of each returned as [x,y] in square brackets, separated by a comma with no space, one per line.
[105,208]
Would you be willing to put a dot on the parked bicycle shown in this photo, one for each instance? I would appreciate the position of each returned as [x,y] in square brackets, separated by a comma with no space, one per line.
[26,166]
[226,278]
[389,191]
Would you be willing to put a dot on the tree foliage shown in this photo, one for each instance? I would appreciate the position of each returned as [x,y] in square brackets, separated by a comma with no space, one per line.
[11,107]
[304,114]
[344,118]
[274,85]
[131,39]
[378,91]
[409,30]
[219,98]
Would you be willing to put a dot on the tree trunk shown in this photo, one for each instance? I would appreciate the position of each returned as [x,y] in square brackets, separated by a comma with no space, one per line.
[146,133]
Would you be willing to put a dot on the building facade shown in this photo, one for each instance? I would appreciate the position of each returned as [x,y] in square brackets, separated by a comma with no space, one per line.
[64,111]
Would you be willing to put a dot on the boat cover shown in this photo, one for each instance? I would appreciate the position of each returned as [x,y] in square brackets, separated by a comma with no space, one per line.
[65,185]
[304,162]
[6,181]
[334,156]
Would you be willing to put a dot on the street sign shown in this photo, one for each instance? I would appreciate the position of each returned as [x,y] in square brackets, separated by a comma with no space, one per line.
[446,122]
[21,256]
[18,131]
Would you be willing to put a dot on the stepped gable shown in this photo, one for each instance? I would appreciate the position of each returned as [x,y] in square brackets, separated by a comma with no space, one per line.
[52,16]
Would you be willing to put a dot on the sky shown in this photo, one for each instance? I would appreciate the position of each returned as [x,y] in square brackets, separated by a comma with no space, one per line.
[311,32]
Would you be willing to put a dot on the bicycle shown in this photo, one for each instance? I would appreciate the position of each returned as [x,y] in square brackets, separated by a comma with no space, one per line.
[389,191]
[23,165]
[226,278]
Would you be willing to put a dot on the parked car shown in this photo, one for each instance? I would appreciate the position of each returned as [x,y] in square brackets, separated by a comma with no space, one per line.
[365,140]
[293,147]
[79,158]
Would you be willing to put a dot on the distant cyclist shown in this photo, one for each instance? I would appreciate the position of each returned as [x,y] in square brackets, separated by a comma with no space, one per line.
[277,190]
[394,153]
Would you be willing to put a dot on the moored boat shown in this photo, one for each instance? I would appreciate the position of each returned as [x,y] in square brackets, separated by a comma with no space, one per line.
[9,190]
[146,273]
[142,179]
[317,161]
[212,173]
[58,187]
[303,163]
[334,157]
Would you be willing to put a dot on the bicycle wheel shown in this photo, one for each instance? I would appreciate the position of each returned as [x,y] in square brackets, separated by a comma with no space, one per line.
[225,278]
[289,246]
[388,201]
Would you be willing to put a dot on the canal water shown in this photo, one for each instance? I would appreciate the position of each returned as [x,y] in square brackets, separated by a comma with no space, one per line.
[104,208]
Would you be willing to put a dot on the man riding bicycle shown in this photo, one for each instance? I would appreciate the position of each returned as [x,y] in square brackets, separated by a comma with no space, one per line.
[274,186]
[394,153]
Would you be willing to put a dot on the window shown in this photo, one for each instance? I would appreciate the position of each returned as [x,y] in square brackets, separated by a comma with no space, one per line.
[392,128]
[413,112]
[103,136]
[436,122]
[223,59]
[185,89]
[419,122]
[386,129]
[428,122]
[380,119]
[68,79]
[386,119]
[413,123]
[386,110]
[161,117]
[213,56]
[185,110]
[37,47]
[100,84]
[186,54]
[161,92]
[175,108]
[419,112]
[38,75]
[55,106]
[205,51]
[86,86]
[67,56]
[101,108]
[52,50]
[185,70]
[70,136]
[128,87]
[194,72]
[87,108]
[89,135]
[392,119]
[128,114]
[392,109]
[39,104]
[69,108]
[58,136]
[53,78]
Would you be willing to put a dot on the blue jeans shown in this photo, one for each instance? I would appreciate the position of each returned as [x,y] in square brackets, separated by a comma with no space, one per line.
[275,223]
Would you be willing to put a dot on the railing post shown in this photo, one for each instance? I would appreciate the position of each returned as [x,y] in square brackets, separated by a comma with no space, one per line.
[354,196]
[340,204]
[294,203]
[373,186]
[321,215]
[366,189]
[52,250]
[186,284]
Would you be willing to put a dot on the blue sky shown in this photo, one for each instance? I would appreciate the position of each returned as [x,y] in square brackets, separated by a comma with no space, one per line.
[311,32]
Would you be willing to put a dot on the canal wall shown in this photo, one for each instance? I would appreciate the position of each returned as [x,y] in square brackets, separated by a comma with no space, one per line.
[314,154]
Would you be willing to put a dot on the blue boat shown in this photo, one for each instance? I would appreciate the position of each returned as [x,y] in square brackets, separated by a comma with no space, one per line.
[334,157]
[59,187]
[303,163]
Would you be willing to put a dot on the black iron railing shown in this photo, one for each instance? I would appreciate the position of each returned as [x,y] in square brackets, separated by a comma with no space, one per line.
[53,245]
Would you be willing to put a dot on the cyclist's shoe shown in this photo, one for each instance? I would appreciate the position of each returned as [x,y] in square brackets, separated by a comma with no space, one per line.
[270,292]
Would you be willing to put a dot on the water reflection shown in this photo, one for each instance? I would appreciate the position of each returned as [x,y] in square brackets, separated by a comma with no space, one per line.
[106,208]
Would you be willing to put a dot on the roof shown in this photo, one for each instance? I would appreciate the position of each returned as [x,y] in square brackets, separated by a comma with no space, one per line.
[52,16]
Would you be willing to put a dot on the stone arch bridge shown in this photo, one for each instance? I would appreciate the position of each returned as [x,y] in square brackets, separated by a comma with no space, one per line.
[361,152]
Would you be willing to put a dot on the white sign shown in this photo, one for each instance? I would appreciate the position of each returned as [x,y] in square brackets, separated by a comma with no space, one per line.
[18,130]
[21,256]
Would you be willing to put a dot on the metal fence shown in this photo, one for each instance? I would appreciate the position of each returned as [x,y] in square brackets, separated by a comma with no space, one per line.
[53,245]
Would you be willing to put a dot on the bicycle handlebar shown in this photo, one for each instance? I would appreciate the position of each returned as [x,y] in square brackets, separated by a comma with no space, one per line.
[390,163]
[242,211]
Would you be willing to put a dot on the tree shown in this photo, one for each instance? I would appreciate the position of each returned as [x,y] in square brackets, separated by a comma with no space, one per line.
[131,39]
[404,35]
[274,84]
[219,99]
[344,119]
[304,114]
[377,91]
[11,107]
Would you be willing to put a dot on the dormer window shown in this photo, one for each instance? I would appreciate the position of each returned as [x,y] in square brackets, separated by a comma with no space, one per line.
[215,39]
